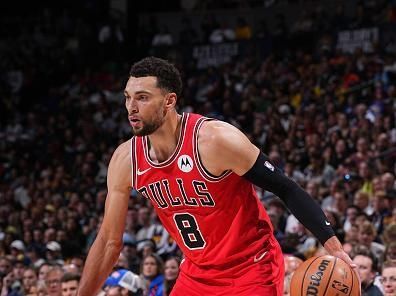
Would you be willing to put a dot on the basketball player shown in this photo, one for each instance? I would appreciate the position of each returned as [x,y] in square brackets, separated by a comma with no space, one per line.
[198,173]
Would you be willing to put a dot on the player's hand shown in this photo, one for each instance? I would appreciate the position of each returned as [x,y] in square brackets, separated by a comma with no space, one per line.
[334,248]
[344,256]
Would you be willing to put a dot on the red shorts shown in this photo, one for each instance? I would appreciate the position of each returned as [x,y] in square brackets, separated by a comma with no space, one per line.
[262,275]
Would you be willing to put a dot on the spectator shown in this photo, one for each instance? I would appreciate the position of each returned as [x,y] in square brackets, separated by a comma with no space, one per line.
[145,231]
[389,234]
[335,186]
[388,278]
[7,285]
[362,152]
[130,252]
[352,183]
[365,174]
[17,248]
[70,283]
[351,235]
[123,282]
[340,153]
[277,209]
[388,179]
[390,251]
[152,272]
[53,281]
[340,204]
[380,211]
[171,272]
[146,247]
[34,257]
[5,265]
[18,273]
[53,253]
[361,200]
[350,218]
[367,269]
[362,218]
[366,236]
[43,270]
[29,281]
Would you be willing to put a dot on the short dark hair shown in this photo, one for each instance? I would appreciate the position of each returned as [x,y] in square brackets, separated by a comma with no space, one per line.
[355,207]
[68,277]
[168,76]
[366,252]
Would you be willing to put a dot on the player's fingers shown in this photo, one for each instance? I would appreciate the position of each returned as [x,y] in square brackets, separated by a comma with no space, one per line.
[344,256]
[354,266]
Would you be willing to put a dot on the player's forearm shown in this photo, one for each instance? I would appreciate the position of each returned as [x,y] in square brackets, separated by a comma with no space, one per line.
[307,211]
[100,261]
[300,203]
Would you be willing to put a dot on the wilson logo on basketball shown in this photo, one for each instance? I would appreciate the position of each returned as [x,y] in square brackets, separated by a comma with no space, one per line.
[185,163]
[316,278]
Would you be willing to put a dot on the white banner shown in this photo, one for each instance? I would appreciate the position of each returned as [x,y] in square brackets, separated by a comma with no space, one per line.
[349,41]
[214,54]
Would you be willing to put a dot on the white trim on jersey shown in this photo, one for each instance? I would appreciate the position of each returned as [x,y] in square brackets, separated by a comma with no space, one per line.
[201,168]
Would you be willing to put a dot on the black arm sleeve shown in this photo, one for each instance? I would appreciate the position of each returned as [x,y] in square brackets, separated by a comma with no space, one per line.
[299,202]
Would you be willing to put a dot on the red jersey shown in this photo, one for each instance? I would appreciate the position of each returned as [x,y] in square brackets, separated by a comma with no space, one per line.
[217,221]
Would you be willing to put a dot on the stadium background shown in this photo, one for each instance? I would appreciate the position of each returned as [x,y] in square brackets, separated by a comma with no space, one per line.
[312,83]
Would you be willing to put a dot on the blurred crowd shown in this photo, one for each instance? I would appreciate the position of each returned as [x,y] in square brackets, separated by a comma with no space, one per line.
[327,119]
[314,19]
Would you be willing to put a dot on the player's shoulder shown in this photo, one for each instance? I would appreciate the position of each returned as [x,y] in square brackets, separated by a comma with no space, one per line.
[124,147]
[122,152]
[216,127]
[217,131]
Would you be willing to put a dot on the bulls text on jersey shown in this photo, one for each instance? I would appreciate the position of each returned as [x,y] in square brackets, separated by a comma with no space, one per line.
[160,194]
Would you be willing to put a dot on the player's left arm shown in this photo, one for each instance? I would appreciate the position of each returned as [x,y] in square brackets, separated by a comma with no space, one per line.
[224,147]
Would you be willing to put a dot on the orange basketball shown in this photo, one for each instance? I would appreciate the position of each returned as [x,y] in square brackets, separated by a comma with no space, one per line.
[324,276]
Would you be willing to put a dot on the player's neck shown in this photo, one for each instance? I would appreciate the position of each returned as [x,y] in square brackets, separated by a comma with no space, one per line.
[163,141]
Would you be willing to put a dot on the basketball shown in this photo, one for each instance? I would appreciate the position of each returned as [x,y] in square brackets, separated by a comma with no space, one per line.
[324,276]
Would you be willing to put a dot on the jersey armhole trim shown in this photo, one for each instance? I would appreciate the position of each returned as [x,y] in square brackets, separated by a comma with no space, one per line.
[201,168]
[133,162]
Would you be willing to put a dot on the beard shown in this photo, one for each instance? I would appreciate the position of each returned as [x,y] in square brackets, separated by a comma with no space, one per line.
[147,128]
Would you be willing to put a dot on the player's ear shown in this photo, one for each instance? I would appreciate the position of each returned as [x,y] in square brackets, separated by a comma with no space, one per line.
[171,99]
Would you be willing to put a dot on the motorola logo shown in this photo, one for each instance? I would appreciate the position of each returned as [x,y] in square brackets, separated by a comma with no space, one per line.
[185,163]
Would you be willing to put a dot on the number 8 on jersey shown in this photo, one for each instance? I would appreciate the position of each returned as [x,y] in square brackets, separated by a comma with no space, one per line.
[189,231]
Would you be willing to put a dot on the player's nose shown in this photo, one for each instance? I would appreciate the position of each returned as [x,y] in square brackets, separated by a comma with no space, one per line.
[131,106]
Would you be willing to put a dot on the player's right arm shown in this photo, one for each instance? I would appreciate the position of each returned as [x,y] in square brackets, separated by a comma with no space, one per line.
[108,244]
[223,147]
